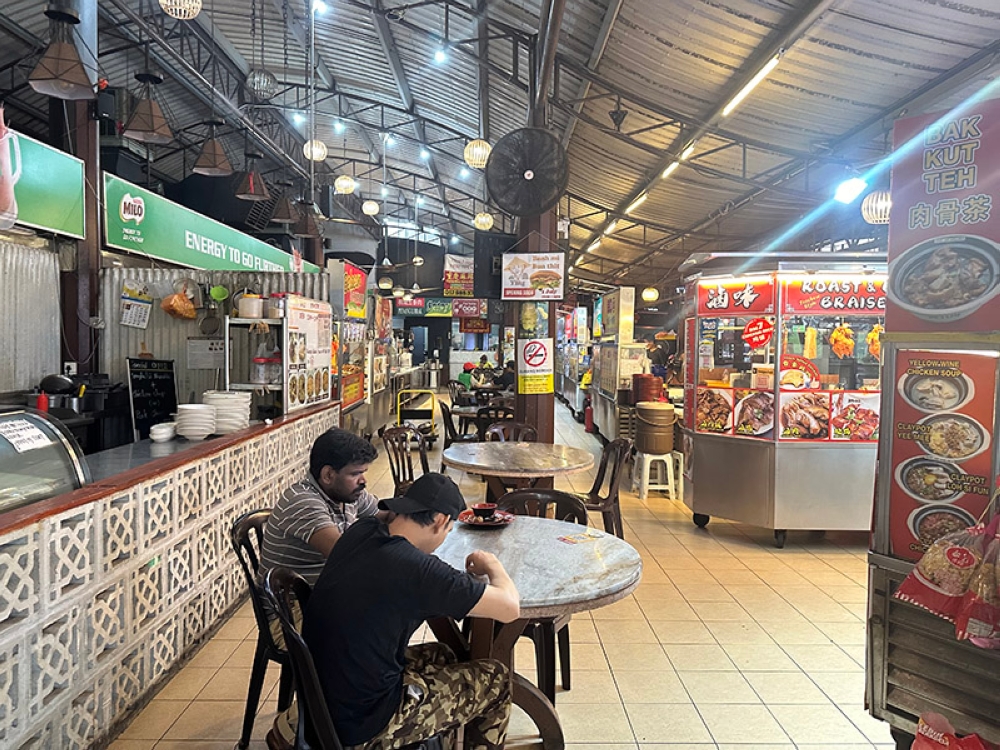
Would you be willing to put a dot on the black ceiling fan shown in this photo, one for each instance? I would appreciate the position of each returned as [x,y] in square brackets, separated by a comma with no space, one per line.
[527,172]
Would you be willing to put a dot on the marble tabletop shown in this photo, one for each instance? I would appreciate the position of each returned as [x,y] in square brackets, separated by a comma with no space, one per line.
[552,577]
[517,460]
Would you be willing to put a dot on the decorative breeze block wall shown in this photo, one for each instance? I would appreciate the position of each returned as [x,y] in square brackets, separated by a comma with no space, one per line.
[99,603]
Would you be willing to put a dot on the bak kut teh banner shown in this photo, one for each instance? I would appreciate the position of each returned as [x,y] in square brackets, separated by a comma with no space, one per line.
[944,227]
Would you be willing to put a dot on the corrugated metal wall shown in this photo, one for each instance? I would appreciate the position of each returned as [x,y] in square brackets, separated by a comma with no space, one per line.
[166,337]
[30,324]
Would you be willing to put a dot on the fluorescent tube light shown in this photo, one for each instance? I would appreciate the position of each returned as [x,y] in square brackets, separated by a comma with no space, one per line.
[745,91]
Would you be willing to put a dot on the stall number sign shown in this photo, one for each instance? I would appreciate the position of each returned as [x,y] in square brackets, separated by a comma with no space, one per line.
[758,332]
[535,369]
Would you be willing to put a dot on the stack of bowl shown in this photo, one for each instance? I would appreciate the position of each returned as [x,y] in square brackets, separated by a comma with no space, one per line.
[163,432]
[195,421]
[232,409]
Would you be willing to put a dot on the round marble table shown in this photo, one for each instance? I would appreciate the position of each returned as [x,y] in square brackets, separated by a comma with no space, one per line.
[554,578]
[517,460]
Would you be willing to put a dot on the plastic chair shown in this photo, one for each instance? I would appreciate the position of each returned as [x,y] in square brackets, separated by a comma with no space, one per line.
[397,447]
[247,535]
[488,415]
[451,435]
[485,395]
[458,393]
[511,432]
[288,592]
[613,460]
[544,632]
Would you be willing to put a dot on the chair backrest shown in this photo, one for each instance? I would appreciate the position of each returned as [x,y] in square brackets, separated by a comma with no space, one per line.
[397,447]
[613,460]
[456,387]
[449,424]
[485,395]
[536,502]
[287,591]
[247,537]
[510,431]
[487,415]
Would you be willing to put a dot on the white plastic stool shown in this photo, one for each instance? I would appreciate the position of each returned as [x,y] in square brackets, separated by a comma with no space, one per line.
[663,465]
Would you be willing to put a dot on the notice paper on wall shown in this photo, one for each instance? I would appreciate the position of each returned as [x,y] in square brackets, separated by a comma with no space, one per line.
[23,436]
[136,304]
[206,354]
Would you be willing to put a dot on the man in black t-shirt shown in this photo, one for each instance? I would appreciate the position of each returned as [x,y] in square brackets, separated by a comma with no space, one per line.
[507,378]
[379,584]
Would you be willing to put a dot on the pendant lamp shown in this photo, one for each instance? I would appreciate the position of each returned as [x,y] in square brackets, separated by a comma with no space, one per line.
[147,123]
[483,221]
[650,294]
[385,283]
[369,208]
[252,186]
[477,153]
[212,161]
[344,185]
[876,206]
[60,72]
[284,211]
[306,227]
[182,10]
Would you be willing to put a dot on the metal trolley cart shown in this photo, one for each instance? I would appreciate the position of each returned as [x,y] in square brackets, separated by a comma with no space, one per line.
[413,405]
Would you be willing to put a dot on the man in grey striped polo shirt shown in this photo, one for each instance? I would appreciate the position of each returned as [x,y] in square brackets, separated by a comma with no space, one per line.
[311,515]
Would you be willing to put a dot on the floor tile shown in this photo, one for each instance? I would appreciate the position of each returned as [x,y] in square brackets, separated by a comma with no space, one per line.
[843,633]
[642,687]
[786,688]
[187,683]
[625,631]
[595,723]
[588,686]
[741,724]
[669,610]
[626,609]
[638,656]
[720,611]
[232,684]
[741,632]
[214,653]
[692,658]
[680,631]
[582,656]
[154,720]
[718,687]
[208,720]
[669,723]
[876,730]
[829,658]
[817,724]
[843,688]
[760,658]
[123,744]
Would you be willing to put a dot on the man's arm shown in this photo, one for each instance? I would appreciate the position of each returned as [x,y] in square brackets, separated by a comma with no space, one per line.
[324,539]
[500,601]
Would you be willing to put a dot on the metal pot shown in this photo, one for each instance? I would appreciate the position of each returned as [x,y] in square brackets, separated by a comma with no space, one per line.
[57,384]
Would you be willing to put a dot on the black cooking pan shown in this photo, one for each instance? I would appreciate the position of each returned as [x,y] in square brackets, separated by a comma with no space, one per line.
[57,384]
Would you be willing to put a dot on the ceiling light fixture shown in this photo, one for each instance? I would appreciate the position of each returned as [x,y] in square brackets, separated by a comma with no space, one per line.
[315,150]
[483,221]
[182,10]
[425,154]
[636,203]
[849,190]
[319,7]
[745,91]
[418,260]
[212,161]
[876,206]
[670,170]
[261,82]
[284,212]
[611,227]
[441,55]
[686,153]
[398,291]
[370,208]
[385,283]
[306,227]
[454,239]
[298,118]
[650,294]
[60,72]
[464,173]
[593,246]
[338,127]
[407,296]
[477,153]
[252,186]
[344,185]
[147,123]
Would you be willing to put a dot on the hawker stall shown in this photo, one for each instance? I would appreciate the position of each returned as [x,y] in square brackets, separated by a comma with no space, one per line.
[348,297]
[616,359]
[782,389]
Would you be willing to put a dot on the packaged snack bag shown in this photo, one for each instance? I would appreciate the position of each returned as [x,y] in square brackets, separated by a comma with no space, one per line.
[935,732]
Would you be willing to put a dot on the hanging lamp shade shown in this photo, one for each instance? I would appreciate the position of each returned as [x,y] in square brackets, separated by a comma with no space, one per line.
[398,291]
[147,124]
[344,184]
[252,187]
[262,83]
[306,227]
[369,208]
[182,10]
[483,221]
[477,153]
[385,283]
[315,150]
[212,161]
[60,73]
[284,212]
[876,206]
[650,294]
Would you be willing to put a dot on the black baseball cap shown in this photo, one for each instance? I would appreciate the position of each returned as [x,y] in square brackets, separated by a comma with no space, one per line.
[432,491]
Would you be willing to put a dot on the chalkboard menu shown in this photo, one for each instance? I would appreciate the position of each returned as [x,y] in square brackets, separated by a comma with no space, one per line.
[152,393]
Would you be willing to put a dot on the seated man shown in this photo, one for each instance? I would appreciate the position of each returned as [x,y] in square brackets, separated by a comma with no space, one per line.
[465,378]
[507,378]
[380,583]
[311,515]
[481,378]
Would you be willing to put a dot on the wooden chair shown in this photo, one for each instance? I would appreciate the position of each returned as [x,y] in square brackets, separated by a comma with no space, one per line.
[485,395]
[487,415]
[451,435]
[459,394]
[288,594]
[509,431]
[397,441]
[544,632]
[246,536]
[609,475]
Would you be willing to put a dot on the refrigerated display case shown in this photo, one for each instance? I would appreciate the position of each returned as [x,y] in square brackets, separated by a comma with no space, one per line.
[782,388]
[616,358]
[39,458]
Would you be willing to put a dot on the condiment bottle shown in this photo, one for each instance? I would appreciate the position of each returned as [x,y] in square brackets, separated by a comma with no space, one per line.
[42,401]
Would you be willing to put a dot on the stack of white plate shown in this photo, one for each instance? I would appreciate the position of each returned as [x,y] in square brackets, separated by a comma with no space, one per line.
[195,421]
[232,409]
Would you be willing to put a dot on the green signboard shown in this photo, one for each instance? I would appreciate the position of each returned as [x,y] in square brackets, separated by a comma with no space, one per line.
[437,307]
[40,186]
[139,221]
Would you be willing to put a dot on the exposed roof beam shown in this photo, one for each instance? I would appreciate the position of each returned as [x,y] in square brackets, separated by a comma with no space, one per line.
[548,41]
[779,39]
[483,73]
[20,33]
[601,44]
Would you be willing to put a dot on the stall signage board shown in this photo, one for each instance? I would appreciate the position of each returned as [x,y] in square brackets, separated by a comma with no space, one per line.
[533,276]
[598,315]
[469,308]
[739,296]
[944,227]
[410,307]
[823,294]
[352,389]
[758,333]
[309,356]
[534,366]
[355,288]
[582,331]
[152,392]
[47,186]
[437,307]
[383,317]
[942,445]
[459,275]
[473,325]
[139,221]
[690,370]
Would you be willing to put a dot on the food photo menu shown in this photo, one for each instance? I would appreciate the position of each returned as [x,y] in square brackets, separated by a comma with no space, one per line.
[941,455]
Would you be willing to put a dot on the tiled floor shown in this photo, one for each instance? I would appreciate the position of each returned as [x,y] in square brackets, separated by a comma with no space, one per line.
[727,643]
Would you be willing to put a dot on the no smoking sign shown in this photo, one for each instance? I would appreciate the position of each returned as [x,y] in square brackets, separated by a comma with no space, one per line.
[535,354]
[534,366]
